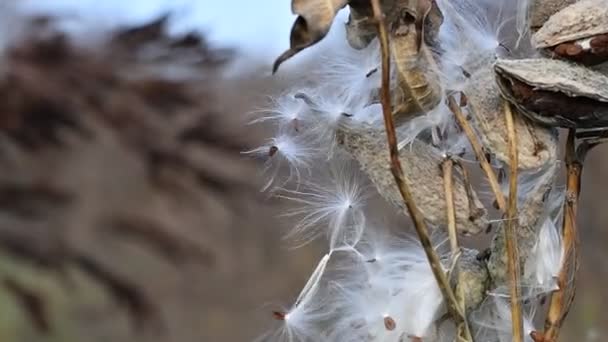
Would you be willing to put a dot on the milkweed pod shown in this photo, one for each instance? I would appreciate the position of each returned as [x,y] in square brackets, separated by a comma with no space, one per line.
[421,168]
[537,144]
[554,92]
[578,32]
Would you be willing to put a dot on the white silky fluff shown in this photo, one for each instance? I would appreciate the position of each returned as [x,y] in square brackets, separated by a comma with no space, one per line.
[351,74]
[547,255]
[492,321]
[292,156]
[397,285]
[472,36]
[303,321]
[286,110]
[336,208]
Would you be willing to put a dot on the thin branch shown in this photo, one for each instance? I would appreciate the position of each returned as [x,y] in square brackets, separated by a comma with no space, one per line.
[447,167]
[510,231]
[560,302]
[448,186]
[485,165]
[397,171]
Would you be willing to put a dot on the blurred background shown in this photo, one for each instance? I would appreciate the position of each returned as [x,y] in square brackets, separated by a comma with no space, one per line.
[127,210]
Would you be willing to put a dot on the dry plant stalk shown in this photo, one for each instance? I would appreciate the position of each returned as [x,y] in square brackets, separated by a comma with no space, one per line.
[561,299]
[479,153]
[417,218]
[510,233]
[448,168]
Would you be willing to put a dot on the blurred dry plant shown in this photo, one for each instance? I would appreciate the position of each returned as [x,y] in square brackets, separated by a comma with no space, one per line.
[455,81]
[115,157]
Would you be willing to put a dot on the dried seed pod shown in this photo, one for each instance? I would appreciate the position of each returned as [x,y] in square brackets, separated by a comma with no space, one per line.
[537,145]
[419,89]
[554,92]
[601,68]
[578,32]
[471,278]
[542,10]
[361,26]
[410,23]
[312,24]
[421,168]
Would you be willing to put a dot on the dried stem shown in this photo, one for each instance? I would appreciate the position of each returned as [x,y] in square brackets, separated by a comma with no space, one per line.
[560,301]
[397,171]
[510,231]
[448,166]
[485,165]
[537,337]
[448,172]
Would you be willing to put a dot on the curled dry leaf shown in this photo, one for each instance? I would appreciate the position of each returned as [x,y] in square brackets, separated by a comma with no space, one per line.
[422,172]
[542,10]
[313,23]
[554,92]
[536,144]
[578,32]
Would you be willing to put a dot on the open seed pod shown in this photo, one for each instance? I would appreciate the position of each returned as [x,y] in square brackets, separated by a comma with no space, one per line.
[418,87]
[422,171]
[536,144]
[578,32]
[361,26]
[555,92]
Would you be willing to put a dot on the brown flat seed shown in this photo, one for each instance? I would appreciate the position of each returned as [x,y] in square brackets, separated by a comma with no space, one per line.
[599,45]
[568,110]
[389,323]
[272,151]
[588,51]
[279,315]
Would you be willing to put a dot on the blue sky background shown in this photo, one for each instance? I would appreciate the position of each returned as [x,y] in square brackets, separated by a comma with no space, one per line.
[258,27]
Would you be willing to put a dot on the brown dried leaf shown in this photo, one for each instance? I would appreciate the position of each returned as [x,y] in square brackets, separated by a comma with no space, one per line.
[313,23]
[554,92]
